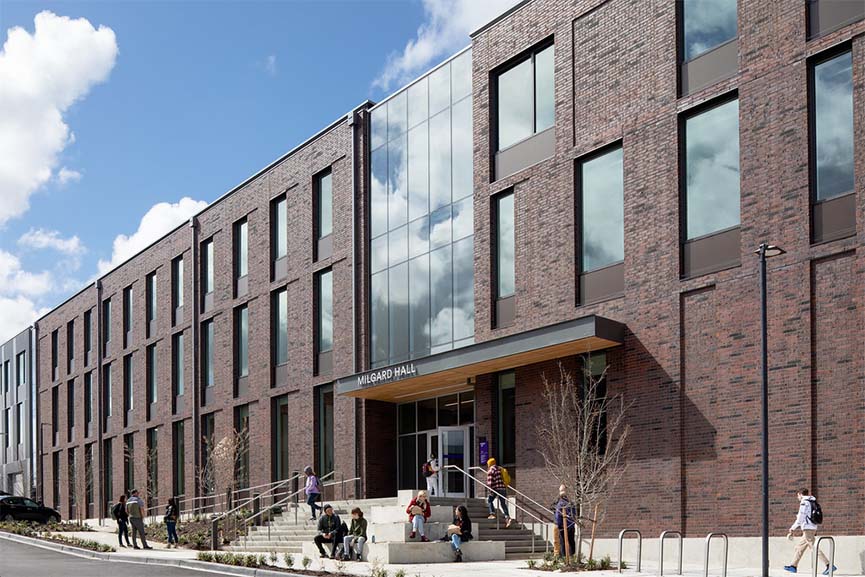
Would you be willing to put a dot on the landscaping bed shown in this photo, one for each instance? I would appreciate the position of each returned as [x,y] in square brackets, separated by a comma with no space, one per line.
[552,562]
[304,566]
[54,534]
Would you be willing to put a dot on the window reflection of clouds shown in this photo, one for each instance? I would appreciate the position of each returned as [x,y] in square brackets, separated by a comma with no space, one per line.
[515,115]
[424,301]
[712,170]
[325,311]
[603,211]
[707,23]
[505,245]
[833,115]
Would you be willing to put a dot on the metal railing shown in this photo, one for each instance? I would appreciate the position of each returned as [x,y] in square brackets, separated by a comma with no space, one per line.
[253,501]
[816,555]
[544,524]
[709,538]
[639,547]
[541,509]
[662,538]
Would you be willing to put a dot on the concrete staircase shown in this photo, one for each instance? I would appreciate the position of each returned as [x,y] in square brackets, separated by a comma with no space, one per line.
[283,535]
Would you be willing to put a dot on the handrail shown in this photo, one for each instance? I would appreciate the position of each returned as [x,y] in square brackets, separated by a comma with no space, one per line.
[250,499]
[706,557]
[816,554]
[639,547]
[520,493]
[663,537]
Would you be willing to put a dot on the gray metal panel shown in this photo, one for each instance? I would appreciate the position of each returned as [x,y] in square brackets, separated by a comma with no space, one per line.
[706,69]
[712,253]
[324,250]
[834,218]
[603,283]
[526,153]
[828,15]
[506,311]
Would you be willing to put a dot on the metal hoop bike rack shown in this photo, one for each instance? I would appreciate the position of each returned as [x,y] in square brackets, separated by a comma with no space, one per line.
[661,540]
[817,556]
[709,538]
[639,546]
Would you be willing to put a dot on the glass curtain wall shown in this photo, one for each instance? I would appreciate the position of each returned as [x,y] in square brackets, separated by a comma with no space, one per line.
[421,217]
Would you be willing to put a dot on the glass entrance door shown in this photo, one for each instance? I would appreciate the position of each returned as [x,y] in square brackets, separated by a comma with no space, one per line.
[453,450]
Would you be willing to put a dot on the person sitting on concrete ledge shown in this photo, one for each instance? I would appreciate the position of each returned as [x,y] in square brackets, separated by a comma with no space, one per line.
[419,511]
[460,532]
[329,531]
[356,536]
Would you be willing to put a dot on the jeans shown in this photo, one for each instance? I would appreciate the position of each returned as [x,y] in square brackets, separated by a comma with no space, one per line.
[138,529]
[456,541]
[311,501]
[417,524]
[503,503]
[352,540]
[172,531]
[122,530]
[335,538]
[572,545]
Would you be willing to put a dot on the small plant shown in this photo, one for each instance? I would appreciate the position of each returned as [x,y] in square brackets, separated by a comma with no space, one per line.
[377,570]
[262,560]
[206,556]
[250,561]
[605,563]
[399,573]
[274,557]
[531,563]
[340,565]
[289,560]
[305,562]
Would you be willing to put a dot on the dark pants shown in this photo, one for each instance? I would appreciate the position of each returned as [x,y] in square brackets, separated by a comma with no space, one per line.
[311,501]
[123,530]
[138,530]
[571,543]
[172,531]
[335,538]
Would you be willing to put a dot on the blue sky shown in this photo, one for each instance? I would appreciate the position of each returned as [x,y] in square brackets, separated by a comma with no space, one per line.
[171,100]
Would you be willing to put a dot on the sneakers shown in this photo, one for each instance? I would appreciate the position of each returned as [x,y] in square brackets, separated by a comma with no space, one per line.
[458,556]
[491,516]
[425,540]
[508,524]
[412,535]
[826,572]
[148,547]
[790,568]
[136,547]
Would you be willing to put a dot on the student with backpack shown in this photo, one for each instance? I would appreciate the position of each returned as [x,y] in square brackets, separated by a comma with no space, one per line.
[498,480]
[808,519]
[118,512]
[312,490]
[430,471]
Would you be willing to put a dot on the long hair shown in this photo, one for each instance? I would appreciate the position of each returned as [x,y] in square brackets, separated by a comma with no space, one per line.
[463,513]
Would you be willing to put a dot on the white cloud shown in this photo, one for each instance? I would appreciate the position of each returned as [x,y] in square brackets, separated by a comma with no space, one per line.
[270,65]
[67,175]
[16,314]
[40,239]
[446,28]
[41,75]
[156,222]
[14,280]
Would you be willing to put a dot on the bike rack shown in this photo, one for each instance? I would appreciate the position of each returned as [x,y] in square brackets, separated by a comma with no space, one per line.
[639,546]
[831,557]
[709,538]
[664,535]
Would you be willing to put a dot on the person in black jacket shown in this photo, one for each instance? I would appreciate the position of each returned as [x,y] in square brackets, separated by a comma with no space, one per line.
[329,531]
[464,523]
[171,514]
[122,518]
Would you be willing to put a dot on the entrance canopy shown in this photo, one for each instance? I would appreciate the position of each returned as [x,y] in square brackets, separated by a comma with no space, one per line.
[451,371]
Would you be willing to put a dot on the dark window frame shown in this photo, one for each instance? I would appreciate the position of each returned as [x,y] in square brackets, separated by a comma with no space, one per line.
[274,225]
[579,195]
[316,201]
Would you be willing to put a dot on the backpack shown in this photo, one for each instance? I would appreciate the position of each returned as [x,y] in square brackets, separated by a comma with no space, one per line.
[506,477]
[816,515]
[427,469]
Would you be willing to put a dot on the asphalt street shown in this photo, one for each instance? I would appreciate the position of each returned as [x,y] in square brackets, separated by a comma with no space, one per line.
[21,560]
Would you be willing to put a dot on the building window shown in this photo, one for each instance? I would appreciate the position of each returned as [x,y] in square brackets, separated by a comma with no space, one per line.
[706,24]
[106,390]
[525,102]
[127,316]
[280,420]
[21,368]
[241,340]
[128,388]
[207,354]
[129,461]
[505,275]
[207,270]
[602,210]
[324,429]
[88,401]
[178,470]
[421,218]
[106,326]
[280,327]
[108,475]
[712,170]
[279,227]
[832,138]
[70,410]
[21,421]
[323,205]
[150,303]
[6,378]
[177,364]
[207,476]
[55,354]
[55,470]
[6,430]
[177,290]
[151,374]
[595,377]
[324,321]
[88,336]
[55,415]
[89,491]
[241,454]
[152,464]
[71,477]
[241,248]
[70,346]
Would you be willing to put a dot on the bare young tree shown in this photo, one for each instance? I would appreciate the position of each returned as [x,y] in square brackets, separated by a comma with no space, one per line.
[582,437]
[224,463]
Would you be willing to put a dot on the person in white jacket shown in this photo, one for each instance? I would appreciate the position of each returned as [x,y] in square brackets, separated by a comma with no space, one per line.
[809,532]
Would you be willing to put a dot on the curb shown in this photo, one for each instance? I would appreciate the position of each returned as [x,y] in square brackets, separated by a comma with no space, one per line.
[119,557]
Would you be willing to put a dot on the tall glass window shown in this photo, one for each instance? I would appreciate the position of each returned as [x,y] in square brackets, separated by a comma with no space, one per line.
[177,281]
[324,203]
[207,356]
[241,248]
[128,383]
[602,208]
[106,390]
[129,461]
[177,363]
[106,322]
[88,336]
[325,311]
[88,399]
[178,469]
[151,374]
[207,266]
[70,346]
[507,419]
[241,320]
[280,420]
[505,275]
[707,24]
[833,126]
[712,170]
[127,310]
[421,217]
[280,327]
[279,218]
[55,352]
[241,453]
[525,103]
[150,297]
[325,433]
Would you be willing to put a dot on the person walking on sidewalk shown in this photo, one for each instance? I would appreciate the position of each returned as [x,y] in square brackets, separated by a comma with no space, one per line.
[171,515]
[119,514]
[135,510]
[808,519]
[496,482]
[312,490]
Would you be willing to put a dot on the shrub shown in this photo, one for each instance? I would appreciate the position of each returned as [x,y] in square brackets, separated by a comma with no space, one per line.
[399,573]
[305,562]
[531,563]
[205,556]
[262,560]
[605,563]
[274,557]
[250,561]
[289,560]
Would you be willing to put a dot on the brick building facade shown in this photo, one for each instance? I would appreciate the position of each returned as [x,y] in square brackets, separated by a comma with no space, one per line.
[373,380]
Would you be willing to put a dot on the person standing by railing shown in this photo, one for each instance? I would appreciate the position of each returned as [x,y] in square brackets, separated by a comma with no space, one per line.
[566,513]
[312,490]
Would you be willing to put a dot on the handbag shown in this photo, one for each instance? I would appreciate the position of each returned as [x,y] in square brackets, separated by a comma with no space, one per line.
[416,510]
[454,530]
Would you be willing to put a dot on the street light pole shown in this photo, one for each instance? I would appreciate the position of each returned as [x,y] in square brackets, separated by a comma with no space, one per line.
[765,251]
